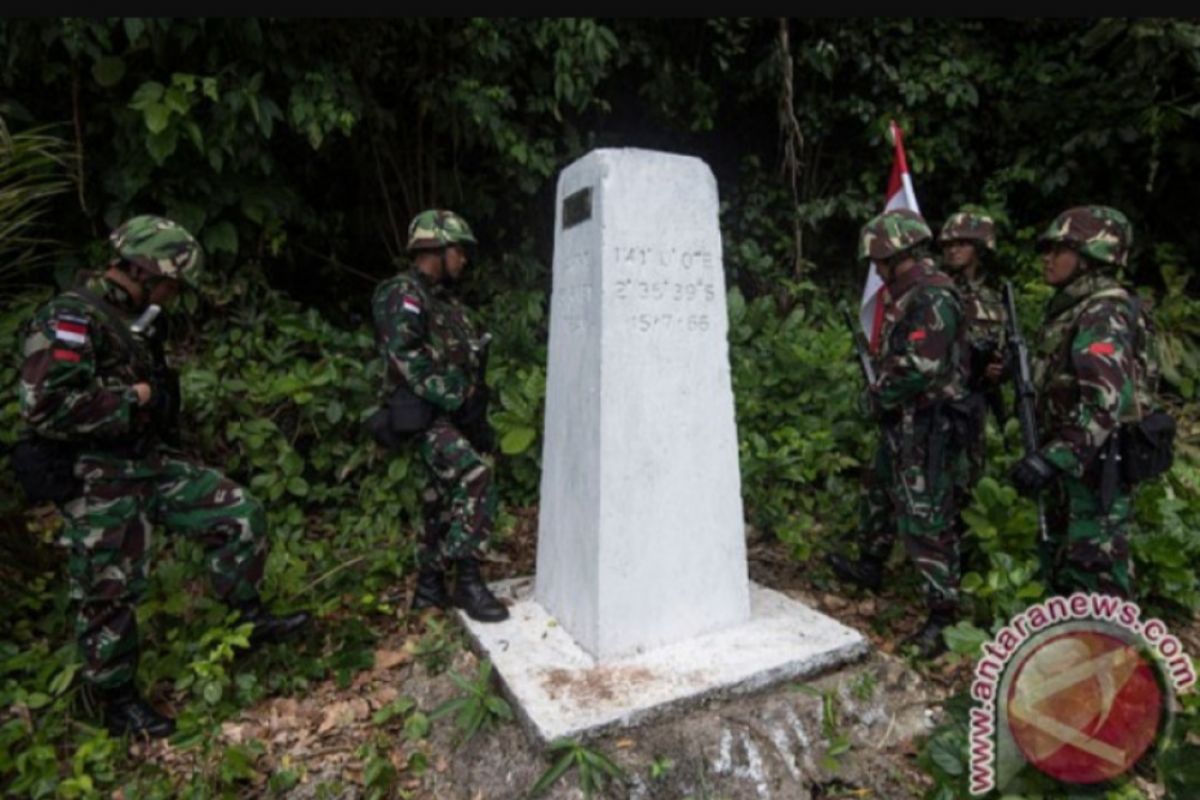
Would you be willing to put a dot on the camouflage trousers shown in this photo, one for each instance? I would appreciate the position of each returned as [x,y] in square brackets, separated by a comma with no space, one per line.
[1094,554]
[898,496]
[460,504]
[108,538]
[974,458]
[975,446]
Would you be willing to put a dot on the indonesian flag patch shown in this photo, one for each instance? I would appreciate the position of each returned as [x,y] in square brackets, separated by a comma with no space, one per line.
[71,330]
[411,304]
[1101,348]
[916,336]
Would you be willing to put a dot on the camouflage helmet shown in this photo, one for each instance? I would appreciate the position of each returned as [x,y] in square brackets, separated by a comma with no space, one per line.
[159,246]
[969,226]
[1100,233]
[437,228]
[892,232]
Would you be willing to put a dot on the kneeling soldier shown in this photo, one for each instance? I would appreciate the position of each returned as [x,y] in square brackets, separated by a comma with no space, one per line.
[99,401]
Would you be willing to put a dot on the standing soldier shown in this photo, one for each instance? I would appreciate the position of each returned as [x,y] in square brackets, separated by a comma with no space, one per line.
[967,239]
[98,401]
[920,374]
[435,362]
[1087,374]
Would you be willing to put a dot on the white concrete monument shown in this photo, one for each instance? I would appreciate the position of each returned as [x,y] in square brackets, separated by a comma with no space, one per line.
[640,534]
[642,598]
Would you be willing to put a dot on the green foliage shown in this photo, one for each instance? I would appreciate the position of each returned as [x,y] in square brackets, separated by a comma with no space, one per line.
[379,774]
[1003,529]
[1177,316]
[795,384]
[837,740]
[438,644]
[34,166]
[595,769]
[660,767]
[478,707]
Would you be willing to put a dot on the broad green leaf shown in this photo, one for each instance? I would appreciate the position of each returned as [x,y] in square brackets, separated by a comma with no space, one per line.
[147,94]
[221,237]
[160,146]
[157,117]
[517,440]
[108,71]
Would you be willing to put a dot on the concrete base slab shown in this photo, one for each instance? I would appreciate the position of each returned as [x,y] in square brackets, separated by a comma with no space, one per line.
[558,689]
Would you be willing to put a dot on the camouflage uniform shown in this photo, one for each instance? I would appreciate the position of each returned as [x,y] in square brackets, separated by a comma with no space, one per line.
[430,345]
[983,310]
[77,382]
[1085,369]
[919,372]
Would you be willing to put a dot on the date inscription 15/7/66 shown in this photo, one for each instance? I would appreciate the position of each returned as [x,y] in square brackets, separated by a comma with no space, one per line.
[645,323]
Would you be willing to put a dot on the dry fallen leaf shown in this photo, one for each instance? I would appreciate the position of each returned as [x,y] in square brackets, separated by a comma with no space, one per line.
[386,659]
[382,696]
[344,713]
[234,732]
[625,744]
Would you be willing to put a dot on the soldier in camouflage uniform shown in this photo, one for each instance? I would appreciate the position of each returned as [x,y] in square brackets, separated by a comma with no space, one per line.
[968,240]
[920,374]
[435,355]
[91,386]
[1086,370]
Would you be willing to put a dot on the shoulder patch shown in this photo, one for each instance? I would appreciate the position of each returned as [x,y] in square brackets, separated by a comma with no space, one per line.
[71,329]
[1101,348]
[917,335]
[410,303]
[61,354]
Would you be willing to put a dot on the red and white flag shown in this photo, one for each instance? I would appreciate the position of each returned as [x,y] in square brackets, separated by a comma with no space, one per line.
[899,195]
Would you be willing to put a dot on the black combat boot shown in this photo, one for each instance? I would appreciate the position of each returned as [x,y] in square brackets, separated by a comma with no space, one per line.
[269,628]
[929,641]
[431,590]
[126,712]
[472,595]
[866,573]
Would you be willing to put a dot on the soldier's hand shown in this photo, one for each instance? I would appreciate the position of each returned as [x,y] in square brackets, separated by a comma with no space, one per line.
[144,392]
[1031,474]
[994,371]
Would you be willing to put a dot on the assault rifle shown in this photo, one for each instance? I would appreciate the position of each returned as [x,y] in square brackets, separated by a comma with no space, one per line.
[1025,400]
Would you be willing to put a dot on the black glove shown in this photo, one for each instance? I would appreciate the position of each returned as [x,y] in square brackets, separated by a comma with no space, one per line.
[1031,474]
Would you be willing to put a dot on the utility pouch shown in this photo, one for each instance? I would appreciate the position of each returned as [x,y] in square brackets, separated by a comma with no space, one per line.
[45,468]
[1147,447]
[403,415]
